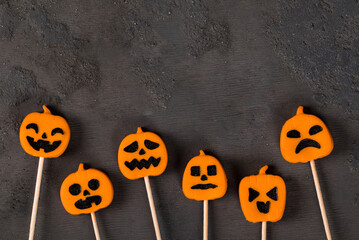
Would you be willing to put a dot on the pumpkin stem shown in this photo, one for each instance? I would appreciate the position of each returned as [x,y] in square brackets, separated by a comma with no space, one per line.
[46,110]
[300,110]
[139,130]
[81,167]
[201,153]
[263,170]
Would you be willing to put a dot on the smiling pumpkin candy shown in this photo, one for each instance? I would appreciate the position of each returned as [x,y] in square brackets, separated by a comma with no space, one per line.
[44,134]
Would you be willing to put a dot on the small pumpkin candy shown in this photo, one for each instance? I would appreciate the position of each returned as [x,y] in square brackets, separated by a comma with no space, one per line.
[44,134]
[204,178]
[142,154]
[304,138]
[86,191]
[262,197]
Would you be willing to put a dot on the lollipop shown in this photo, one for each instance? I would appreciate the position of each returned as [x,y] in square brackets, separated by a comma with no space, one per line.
[43,135]
[262,198]
[140,155]
[204,179]
[305,138]
[86,191]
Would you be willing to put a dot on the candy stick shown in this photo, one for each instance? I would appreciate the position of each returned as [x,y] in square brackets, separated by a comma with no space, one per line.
[46,136]
[264,230]
[85,192]
[95,227]
[320,199]
[205,220]
[36,198]
[204,179]
[152,207]
[305,138]
[140,155]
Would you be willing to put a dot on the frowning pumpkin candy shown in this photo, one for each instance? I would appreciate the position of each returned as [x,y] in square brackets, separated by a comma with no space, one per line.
[262,197]
[304,138]
[204,178]
[142,154]
[44,134]
[86,191]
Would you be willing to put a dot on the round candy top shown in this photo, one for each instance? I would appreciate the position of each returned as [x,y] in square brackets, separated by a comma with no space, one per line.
[204,178]
[44,135]
[262,197]
[142,154]
[86,191]
[305,137]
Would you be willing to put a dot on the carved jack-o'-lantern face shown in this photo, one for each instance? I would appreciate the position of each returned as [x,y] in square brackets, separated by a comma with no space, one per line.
[204,178]
[44,135]
[262,197]
[305,137]
[86,191]
[142,154]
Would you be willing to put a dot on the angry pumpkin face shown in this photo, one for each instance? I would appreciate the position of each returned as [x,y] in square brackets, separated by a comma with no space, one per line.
[142,154]
[204,178]
[262,197]
[304,138]
[86,191]
[44,135]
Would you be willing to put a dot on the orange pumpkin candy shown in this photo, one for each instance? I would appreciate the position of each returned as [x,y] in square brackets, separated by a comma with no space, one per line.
[262,197]
[204,178]
[304,138]
[142,154]
[86,191]
[44,135]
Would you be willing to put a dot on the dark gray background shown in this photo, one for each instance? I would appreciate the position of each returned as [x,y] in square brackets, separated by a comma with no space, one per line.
[222,76]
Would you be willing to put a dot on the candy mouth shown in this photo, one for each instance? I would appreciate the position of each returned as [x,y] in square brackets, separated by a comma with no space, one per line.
[263,207]
[306,143]
[87,203]
[204,186]
[43,144]
[143,163]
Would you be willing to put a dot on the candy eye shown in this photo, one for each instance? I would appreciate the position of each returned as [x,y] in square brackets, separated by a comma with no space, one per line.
[253,194]
[133,147]
[75,189]
[293,134]
[195,171]
[57,130]
[33,126]
[151,145]
[273,194]
[315,129]
[212,170]
[94,184]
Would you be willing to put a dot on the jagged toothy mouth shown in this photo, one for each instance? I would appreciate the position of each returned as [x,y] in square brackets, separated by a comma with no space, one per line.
[43,144]
[143,163]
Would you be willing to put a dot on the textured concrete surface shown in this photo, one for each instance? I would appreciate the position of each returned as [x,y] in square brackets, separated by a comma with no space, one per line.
[222,76]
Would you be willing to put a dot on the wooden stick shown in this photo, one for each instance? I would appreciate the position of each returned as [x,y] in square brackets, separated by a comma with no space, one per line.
[95,227]
[205,220]
[36,198]
[153,209]
[264,230]
[320,199]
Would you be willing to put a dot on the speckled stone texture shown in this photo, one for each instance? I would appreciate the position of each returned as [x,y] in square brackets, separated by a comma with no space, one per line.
[222,76]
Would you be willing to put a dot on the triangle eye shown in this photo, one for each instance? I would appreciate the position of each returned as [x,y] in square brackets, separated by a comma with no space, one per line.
[253,194]
[273,194]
